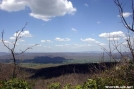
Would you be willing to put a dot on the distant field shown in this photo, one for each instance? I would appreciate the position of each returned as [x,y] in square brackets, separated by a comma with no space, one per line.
[37,66]
[39,60]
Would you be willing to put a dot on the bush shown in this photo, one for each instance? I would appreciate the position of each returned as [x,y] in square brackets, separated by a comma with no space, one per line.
[79,87]
[54,86]
[97,83]
[109,81]
[14,84]
[90,84]
[130,73]
[68,86]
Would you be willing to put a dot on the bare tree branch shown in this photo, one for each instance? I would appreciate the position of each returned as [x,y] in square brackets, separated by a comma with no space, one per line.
[121,11]
[26,49]
[12,50]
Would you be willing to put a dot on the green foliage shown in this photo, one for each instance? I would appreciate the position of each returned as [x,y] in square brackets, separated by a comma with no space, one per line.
[109,81]
[54,86]
[90,84]
[79,87]
[130,73]
[123,72]
[97,83]
[14,84]
[68,86]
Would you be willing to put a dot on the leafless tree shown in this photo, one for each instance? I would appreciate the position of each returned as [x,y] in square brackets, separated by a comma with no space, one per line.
[117,49]
[112,47]
[120,6]
[18,36]
[127,25]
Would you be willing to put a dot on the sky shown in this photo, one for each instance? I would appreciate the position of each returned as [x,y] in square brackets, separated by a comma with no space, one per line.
[62,25]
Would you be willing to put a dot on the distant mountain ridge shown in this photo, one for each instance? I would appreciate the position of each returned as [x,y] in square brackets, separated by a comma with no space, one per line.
[3,53]
[54,57]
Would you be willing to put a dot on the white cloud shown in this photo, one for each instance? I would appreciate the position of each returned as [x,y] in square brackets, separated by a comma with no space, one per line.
[23,34]
[92,40]
[128,37]
[42,40]
[81,45]
[125,43]
[12,5]
[49,41]
[86,5]
[88,40]
[113,38]
[125,14]
[40,9]
[22,40]
[74,45]
[12,38]
[62,39]
[73,29]
[102,44]
[112,34]
[7,42]
[65,45]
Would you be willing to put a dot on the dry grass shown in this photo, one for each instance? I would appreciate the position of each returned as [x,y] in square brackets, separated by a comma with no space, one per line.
[122,71]
[41,83]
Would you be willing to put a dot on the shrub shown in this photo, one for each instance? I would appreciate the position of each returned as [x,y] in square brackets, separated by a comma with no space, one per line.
[130,73]
[68,86]
[54,86]
[109,81]
[90,84]
[97,83]
[78,87]
[14,84]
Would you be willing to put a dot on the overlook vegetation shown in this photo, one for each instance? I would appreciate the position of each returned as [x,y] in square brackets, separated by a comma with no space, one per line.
[72,76]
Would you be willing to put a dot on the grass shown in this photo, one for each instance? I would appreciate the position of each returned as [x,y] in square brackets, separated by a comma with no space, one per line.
[121,74]
[37,66]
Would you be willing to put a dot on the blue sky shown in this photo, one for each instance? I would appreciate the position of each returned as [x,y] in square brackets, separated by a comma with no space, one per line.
[62,25]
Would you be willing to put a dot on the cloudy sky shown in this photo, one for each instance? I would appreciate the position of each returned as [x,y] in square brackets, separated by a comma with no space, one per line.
[62,25]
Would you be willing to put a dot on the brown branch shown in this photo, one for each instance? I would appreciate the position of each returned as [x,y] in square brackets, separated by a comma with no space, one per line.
[26,49]
[17,37]
[132,14]
[120,8]
[108,52]
[12,50]
[2,33]
[116,47]
[130,47]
